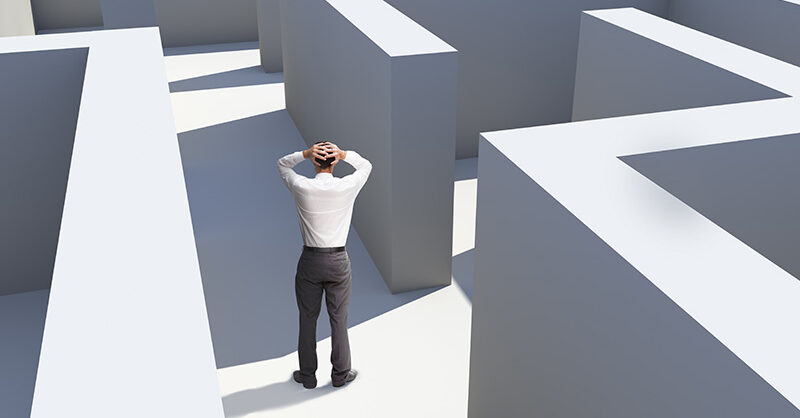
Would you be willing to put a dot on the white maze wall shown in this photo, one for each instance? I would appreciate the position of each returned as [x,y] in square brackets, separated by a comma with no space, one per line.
[369,78]
[97,212]
[637,258]
[644,265]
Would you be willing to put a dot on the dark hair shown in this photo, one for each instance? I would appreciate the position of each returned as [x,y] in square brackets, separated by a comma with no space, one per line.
[326,162]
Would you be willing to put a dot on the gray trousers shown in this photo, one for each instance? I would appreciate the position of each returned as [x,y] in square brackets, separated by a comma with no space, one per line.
[329,272]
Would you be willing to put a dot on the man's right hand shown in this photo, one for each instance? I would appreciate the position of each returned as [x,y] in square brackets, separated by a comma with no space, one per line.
[333,149]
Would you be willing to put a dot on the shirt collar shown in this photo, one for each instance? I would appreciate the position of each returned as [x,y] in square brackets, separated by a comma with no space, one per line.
[323,176]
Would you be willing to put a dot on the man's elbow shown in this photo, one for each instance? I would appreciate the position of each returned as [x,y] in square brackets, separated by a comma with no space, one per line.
[282,169]
[366,168]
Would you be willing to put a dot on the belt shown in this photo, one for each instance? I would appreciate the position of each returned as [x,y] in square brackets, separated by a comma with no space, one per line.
[323,249]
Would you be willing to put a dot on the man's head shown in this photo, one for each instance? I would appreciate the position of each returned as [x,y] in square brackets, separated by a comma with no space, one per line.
[326,165]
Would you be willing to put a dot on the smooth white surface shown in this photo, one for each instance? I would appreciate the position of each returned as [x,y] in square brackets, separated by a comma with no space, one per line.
[766,26]
[392,352]
[621,72]
[464,207]
[208,107]
[206,102]
[384,25]
[743,299]
[126,331]
[190,62]
[757,67]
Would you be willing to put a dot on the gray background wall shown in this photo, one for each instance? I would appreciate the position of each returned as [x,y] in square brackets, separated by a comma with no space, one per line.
[505,46]
[516,58]
[269,35]
[313,99]
[182,22]
[621,73]
[768,26]
[196,22]
[61,14]
[40,94]
[571,329]
[423,118]
[398,112]
[16,18]
[128,14]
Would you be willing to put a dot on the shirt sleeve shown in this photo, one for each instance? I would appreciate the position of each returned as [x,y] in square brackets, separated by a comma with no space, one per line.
[363,168]
[286,168]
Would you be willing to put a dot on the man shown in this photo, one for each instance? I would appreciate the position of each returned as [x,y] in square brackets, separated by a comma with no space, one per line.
[324,207]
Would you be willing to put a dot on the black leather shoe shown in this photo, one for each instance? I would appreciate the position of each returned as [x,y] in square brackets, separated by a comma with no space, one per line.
[307,383]
[351,375]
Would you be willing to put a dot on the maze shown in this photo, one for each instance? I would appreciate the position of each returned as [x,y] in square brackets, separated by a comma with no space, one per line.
[644,265]
[97,213]
[637,229]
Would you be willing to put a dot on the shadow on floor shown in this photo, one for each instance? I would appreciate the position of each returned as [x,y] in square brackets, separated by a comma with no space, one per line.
[249,76]
[283,394]
[463,271]
[22,317]
[466,169]
[205,49]
[248,240]
[276,395]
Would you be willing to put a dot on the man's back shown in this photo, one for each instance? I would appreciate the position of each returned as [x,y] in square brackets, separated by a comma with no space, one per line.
[325,203]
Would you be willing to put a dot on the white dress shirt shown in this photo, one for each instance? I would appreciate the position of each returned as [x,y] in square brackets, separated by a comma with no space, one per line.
[324,203]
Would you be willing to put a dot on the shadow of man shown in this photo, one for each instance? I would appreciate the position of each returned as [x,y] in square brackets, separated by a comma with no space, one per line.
[273,396]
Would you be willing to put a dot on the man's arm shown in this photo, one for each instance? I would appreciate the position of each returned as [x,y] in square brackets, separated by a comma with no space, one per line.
[362,165]
[286,168]
[286,163]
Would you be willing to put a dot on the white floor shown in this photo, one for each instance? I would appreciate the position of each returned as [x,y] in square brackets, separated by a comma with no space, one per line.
[411,350]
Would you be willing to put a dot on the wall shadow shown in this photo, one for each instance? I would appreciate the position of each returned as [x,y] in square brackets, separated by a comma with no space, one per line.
[249,76]
[464,271]
[22,317]
[248,240]
[466,169]
[205,49]
[35,158]
[741,186]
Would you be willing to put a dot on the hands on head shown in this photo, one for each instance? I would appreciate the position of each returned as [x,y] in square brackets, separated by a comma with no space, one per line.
[323,151]
[333,150]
